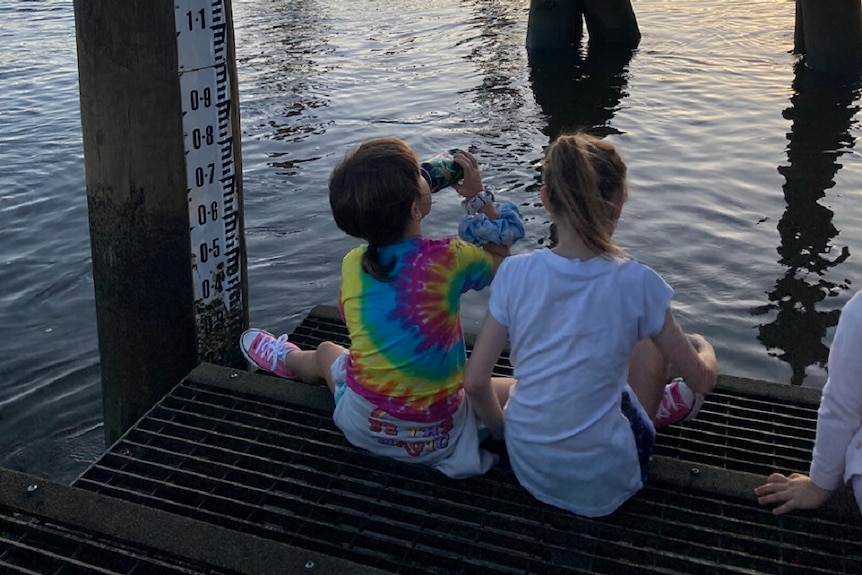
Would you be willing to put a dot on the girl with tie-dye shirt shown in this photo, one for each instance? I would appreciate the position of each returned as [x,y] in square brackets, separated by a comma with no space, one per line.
[398,388]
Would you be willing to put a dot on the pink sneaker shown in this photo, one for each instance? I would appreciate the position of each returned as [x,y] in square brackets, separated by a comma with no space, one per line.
[679,403]
[266,352]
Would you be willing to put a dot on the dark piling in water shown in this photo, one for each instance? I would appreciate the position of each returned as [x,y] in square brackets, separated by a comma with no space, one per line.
[829,34]
[555,25]
[611,22]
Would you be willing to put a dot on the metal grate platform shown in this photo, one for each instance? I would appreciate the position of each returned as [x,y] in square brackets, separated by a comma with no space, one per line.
[245,455]
[276,469]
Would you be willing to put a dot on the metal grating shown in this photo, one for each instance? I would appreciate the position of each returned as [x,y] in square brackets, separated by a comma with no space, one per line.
[261,456]
[745,433]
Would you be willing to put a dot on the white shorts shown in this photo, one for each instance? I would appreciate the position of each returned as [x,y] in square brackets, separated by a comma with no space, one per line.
[451,445]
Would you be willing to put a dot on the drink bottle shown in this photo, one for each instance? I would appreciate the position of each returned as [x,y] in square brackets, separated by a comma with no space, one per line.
[441,170]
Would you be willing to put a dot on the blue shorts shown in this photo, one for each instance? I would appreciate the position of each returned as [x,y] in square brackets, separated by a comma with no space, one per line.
[643,431]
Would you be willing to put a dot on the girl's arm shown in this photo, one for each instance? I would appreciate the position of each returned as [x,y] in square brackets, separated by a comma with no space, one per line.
[490,342]
[471,186]
[692,355]
[498,253]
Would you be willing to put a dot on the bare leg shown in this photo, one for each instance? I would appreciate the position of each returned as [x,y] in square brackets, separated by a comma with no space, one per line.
[648,374]
[312,366]
[327,353]
[502,386]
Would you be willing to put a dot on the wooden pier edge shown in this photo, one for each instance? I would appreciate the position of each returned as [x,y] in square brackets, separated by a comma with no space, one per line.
[150,528]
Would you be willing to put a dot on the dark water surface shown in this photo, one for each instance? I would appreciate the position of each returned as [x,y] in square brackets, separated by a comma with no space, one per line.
[744,171]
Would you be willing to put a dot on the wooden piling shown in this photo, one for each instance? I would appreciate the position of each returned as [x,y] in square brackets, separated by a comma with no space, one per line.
[152,328]
[611,22]
[798,30]
[558,24]
[554,25]
[829,34]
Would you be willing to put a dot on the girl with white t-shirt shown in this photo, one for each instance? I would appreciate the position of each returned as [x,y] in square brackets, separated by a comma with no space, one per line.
[591,338]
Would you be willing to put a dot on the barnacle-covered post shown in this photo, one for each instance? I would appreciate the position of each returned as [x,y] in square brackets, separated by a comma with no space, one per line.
[160,125]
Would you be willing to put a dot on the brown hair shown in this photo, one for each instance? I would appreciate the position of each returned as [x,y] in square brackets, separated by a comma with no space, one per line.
[585,176]
[371,192]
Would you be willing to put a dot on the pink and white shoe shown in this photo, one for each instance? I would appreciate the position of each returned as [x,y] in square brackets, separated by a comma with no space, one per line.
[679,403]
[266,352]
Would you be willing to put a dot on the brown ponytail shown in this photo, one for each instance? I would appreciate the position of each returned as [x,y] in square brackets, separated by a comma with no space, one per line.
[373,266]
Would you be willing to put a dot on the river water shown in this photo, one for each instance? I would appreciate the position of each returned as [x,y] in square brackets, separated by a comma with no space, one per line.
[744,173]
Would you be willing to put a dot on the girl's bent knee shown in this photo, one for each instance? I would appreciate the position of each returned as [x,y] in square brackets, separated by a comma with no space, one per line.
[323,346]
[328,352]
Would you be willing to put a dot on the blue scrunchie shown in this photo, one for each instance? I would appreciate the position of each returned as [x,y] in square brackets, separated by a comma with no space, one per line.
[507,229]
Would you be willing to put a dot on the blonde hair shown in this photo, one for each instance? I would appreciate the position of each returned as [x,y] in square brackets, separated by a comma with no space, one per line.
[585,178]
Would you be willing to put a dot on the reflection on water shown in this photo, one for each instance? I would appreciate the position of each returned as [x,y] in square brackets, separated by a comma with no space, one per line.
[577,92]
[821,111]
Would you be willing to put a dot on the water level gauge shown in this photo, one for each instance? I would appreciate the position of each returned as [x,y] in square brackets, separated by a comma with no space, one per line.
[204,54]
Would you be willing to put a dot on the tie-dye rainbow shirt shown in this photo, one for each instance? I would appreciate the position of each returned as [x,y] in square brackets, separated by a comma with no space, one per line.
[407,351]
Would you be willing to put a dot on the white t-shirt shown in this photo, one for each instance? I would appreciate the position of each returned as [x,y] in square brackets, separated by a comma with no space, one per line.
[572,328]
[838,446]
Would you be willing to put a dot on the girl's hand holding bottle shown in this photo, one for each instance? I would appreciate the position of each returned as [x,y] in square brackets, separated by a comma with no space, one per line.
[471,185]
